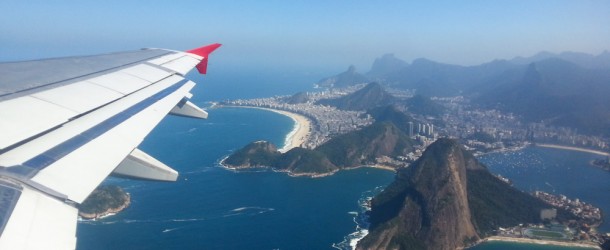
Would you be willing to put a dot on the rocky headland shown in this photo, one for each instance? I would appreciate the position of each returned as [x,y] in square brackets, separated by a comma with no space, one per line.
[377,144]
[446,200]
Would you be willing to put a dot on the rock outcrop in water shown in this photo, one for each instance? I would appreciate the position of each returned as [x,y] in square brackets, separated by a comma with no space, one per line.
[103,201]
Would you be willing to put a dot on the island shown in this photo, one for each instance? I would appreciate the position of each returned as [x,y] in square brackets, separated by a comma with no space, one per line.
[602,163]
[104,201]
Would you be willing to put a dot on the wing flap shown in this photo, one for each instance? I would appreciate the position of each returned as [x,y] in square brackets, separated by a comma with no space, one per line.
[189,109]
[140,165]
[94,158]
[37,216]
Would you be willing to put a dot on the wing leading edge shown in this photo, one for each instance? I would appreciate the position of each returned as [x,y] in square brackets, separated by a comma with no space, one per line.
[68,123]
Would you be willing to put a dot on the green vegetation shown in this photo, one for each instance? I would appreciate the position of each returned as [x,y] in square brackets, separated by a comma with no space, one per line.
[103,199]
[353,149]
[422,105]
[363,146]
[429,195]
[482,137]
[391,114]
[256,154]
[495,204]
[546,234]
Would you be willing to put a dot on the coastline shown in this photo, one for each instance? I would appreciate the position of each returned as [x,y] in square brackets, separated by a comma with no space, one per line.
[300,132]
[592,151]
[540,242]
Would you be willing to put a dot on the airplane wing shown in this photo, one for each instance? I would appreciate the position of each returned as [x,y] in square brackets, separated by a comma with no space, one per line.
[67,123]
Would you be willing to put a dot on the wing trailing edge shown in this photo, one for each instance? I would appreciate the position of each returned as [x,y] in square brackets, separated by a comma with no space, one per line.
[140,165]
[188,109]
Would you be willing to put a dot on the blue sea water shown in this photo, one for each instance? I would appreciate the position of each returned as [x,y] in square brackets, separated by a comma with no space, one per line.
[214,208]
[555,171]
[210,207]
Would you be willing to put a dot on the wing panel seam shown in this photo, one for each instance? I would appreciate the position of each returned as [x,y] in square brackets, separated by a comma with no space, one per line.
[32,166]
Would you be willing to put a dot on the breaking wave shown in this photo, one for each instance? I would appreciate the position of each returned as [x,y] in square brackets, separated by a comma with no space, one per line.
[360,219]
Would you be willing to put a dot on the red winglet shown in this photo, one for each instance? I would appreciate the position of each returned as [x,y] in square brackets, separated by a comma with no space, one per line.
[204,51]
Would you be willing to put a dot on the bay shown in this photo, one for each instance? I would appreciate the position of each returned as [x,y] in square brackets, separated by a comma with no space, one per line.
[214,208]
[555,171]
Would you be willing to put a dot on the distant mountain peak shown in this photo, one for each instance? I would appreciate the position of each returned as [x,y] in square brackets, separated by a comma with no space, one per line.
[351,69]
[371,96]
[347,78]
[386,64]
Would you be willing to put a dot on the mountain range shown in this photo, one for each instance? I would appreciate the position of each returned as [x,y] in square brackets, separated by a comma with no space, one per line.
[567,89]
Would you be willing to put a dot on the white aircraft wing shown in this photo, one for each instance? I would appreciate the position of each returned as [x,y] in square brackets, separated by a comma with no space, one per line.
[67,123]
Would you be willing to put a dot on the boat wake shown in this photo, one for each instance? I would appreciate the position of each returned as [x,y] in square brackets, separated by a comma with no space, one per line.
[170,229]
[248,211]
[242,211]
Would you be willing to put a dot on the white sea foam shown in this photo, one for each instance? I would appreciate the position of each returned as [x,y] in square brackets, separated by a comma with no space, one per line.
[247,211]
[360,219]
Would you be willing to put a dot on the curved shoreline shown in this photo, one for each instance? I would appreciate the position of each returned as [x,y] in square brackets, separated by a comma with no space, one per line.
[586,150]
[300,132]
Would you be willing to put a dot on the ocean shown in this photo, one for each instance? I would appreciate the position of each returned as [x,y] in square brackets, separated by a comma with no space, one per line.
[210,207]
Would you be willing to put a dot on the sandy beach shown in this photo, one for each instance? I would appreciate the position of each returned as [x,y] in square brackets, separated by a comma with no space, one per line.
[573,148]
[299,134]
[542,242]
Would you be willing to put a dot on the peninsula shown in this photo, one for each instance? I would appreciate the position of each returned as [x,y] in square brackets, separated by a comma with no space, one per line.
[378,144]
[104,201]
[447,200]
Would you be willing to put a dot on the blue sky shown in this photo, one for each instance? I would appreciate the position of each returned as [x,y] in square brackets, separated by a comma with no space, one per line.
[323,34]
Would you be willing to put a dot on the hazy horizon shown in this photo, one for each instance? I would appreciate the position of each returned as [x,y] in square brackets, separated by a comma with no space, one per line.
[325,35]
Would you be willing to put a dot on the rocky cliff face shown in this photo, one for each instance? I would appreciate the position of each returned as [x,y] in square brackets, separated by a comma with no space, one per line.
[255,154]
[447,200]
[427,205]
